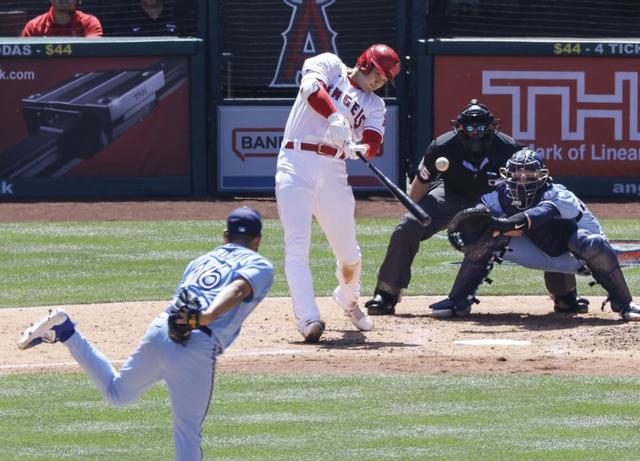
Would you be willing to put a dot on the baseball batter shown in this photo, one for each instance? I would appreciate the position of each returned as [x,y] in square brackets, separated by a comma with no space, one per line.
[229,282]
[335,116]
[544,226]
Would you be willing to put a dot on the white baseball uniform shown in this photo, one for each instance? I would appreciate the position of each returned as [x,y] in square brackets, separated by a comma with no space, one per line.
[310,184]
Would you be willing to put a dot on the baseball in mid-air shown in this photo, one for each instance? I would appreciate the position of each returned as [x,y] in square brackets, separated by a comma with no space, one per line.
[442,164]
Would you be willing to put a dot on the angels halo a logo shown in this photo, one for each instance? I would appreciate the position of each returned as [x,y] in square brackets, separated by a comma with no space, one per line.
[308,34]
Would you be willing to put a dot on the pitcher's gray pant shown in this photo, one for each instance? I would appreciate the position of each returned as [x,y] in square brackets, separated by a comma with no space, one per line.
[188,370]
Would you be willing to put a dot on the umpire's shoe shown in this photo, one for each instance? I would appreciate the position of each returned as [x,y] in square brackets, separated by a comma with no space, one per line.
[570,303]
[382,303]
[57,326]
[448,308]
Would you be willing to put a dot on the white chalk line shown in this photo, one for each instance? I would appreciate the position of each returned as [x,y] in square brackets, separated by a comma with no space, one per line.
[492,342]
[30,366]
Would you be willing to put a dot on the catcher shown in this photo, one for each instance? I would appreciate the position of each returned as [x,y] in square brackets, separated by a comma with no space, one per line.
[535,223]
[216,294]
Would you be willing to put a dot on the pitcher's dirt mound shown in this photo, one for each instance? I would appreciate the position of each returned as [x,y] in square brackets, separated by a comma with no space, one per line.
[503,334]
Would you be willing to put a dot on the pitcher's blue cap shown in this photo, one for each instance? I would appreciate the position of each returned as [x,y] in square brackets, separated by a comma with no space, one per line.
[244,220]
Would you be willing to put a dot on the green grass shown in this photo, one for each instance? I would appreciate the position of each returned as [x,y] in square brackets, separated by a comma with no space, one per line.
[63,263]
[264,417]
[50,416]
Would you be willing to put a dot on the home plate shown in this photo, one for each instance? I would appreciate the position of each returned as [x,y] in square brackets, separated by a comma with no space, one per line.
[492,342]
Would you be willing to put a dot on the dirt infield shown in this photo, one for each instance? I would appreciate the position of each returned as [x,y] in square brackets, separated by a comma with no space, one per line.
[503,334]
[376,207]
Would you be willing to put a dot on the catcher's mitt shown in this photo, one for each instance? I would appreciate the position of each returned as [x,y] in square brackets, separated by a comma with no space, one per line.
[471,229]
[186,309]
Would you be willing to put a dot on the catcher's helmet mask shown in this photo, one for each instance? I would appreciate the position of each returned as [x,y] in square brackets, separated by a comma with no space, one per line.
[383,58]
[477,125]
[525,175]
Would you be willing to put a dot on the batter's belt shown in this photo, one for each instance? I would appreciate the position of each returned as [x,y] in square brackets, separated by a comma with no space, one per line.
[320,149]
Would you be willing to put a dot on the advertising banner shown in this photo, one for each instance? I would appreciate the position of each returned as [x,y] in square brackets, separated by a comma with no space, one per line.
[580,112]
[94,118]
[249,140]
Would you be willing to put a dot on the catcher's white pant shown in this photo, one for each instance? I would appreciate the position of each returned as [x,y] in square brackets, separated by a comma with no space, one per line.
[527,254]
[307,185]
[188,370]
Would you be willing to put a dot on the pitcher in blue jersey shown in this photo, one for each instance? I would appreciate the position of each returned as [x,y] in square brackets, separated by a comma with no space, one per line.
[231,280]
[541,225]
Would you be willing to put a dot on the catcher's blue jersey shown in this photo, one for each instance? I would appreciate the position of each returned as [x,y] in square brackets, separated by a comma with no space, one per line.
[213,271]
[556,214]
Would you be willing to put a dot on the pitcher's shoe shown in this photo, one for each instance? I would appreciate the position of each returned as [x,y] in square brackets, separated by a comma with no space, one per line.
[351,309]
[311,331]
[55,327]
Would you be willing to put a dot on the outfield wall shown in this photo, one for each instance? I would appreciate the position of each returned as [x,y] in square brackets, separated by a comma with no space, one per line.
[102,118]
[118,118]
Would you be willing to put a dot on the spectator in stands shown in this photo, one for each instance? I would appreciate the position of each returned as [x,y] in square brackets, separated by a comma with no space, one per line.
[63,20]
[149,18]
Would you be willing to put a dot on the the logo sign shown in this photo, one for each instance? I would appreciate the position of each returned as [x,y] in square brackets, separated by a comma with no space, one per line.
[576,104]
[256,142]
[581,113]
[308,34]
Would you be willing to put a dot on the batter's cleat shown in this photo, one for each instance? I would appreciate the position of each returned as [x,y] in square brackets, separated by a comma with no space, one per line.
[631,312]
[351,309]
[382,303]
[447,308]
[311,331]
[55,327]
[570,304]
[360,319]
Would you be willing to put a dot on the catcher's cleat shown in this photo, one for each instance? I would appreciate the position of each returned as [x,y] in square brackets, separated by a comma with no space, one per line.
[382,303]
[55,327]
[570,304]
[447,308]
[630,312]
[311,331]
[351,309]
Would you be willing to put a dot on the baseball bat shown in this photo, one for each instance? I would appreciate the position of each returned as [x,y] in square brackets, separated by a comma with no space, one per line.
[418,213]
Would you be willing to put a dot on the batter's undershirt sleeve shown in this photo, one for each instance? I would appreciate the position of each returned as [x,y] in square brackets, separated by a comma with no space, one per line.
[321,102]
[373,139]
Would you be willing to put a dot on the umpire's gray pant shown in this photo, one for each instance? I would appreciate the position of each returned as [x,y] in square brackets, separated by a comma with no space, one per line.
[442,205]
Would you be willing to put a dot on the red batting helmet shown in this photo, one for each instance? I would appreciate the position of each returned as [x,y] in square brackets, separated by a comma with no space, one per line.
[383,58]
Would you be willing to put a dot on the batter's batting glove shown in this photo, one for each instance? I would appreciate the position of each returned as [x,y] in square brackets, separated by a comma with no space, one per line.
[339,131]
[351,150]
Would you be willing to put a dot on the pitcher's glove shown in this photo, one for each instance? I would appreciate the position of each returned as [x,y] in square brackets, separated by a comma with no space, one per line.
[184,315]
[471,229]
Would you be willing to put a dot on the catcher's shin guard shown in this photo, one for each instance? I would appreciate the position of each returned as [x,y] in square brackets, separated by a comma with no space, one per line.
[463,293]
[602,261]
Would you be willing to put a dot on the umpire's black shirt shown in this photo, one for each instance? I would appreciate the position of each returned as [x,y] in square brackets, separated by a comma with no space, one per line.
[466,176]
